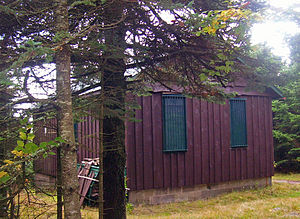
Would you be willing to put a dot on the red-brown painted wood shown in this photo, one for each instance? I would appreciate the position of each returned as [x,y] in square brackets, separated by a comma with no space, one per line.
[131,158]
[250,170]
[256,137]
[181,170]
[226,142]
[261,137]
[174,172]
[147,143]
[265,137]
[189,155]
[204,142]
[209,157]
[244,153]
[86,136]
[79,141]
[268,144]
[217,144]
[139,148]
[197,142]
[158,170]
[271,149]
[211,143]
[238,162]
[167,170]
[222,142]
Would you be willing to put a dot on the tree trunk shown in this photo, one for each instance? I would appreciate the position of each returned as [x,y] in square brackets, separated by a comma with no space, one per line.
[114,152]
[59,202]
[114,128]
[3,191]
[101,149]
[65,117]
[5,146]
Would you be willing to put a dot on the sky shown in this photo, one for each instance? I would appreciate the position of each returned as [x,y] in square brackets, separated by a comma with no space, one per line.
[274,33]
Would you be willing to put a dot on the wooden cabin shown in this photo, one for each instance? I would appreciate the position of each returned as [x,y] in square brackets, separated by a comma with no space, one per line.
[187,149]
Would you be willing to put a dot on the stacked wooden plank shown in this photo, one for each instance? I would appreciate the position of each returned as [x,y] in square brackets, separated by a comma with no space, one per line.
[87,175]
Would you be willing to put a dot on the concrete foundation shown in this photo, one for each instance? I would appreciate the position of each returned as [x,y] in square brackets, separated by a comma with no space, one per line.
[168,195]
[44,181]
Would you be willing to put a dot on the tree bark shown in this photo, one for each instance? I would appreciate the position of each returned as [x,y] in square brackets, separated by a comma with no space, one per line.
[114,129]
[65,116]
[101,149]
[114,152]
[5,145]
[59,202]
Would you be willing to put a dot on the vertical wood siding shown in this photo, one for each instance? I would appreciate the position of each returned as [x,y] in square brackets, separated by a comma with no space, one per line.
[46,131]
[88,142]
[209,158]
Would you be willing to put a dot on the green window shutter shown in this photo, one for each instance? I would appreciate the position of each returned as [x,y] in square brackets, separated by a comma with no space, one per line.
[238,123]
[174,123]
[76,131]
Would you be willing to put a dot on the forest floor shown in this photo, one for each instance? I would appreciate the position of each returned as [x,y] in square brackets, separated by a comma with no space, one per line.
[282,200]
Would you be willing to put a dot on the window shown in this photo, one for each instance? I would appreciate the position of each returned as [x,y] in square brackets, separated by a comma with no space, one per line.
[174,123]
[238,124]
[76,131]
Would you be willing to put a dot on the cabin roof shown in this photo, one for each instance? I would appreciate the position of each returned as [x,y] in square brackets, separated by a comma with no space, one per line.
[275,92]
[271,91]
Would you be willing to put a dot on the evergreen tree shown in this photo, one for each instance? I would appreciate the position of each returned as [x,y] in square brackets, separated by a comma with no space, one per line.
[287,115]
[200,47]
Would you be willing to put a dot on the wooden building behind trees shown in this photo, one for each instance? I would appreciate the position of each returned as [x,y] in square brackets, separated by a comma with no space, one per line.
[186,148]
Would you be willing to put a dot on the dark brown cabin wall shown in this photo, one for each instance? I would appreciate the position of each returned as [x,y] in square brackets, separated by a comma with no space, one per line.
[255,137]
[209,158]
[88,142]
[270,132]
[130,151]
[211,142]
[197,153]
[44,132]
[260,128]
[217,143]
[204,144]
[88,138]
[139,147]
[189,156]
[225,133]
[158,162]
[147,142]
[250,154]
[267,140]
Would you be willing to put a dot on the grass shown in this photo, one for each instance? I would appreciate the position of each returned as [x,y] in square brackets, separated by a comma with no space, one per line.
[282,200]
[287,176]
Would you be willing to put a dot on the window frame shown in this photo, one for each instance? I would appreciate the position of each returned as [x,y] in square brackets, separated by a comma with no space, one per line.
[166,147]
[233,143]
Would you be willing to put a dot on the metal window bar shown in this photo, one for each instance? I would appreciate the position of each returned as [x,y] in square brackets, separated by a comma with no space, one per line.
[174,123]
[238,123]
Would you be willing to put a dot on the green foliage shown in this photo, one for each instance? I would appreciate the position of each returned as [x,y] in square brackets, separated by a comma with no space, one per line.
[86,3]
[25,152]
[129,208]
[287,126]
[266,67]
[287,115]
[197,51]
[59,36]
